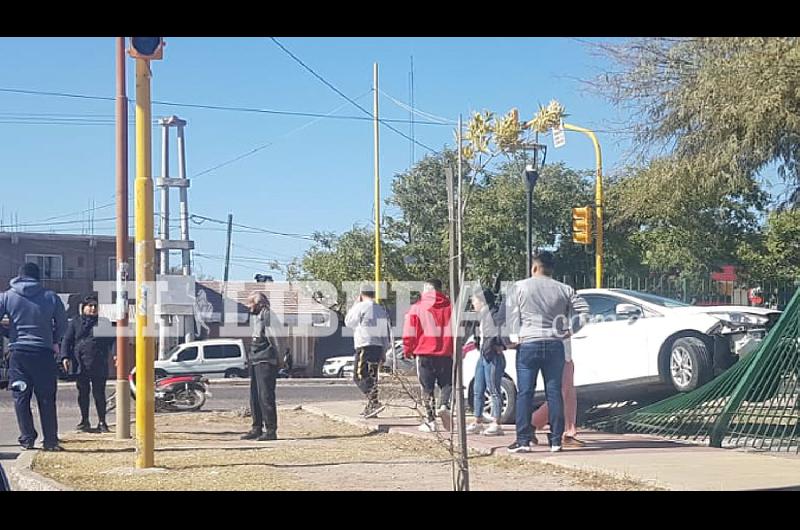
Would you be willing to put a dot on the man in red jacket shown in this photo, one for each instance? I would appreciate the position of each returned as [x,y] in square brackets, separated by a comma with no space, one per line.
[427,336]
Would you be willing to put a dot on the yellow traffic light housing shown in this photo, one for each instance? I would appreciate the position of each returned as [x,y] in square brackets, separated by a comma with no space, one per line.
[582,225]
[150,48]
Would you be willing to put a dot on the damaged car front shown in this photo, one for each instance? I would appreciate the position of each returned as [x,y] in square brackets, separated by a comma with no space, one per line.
[739,332]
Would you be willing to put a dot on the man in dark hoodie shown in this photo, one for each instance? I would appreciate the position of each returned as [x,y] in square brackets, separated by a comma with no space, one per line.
[427,336]
[37,323]
[88,355]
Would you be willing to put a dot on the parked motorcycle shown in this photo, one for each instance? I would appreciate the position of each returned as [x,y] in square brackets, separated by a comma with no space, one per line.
[177,393]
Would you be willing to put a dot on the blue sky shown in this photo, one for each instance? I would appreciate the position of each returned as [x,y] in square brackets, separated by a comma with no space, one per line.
[318,174]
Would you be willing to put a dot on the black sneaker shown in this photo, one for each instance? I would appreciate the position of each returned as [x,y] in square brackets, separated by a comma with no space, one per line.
[27,447]
[103,427]
[267,437]
[254,434]
[53,448]
[84,426]
[517,447]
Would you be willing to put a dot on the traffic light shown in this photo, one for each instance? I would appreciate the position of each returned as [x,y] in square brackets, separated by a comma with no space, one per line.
[150,48]
[582,225]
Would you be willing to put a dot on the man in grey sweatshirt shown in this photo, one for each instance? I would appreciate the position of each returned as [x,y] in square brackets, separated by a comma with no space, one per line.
[541,311]
[370,323]
[37,323]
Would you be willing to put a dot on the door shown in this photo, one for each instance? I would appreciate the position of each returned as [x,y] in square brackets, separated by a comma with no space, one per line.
[611,347]
[185,361]
[217,358]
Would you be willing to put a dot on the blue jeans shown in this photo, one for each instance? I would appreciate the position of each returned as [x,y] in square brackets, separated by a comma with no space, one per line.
[488,375]
[39,371]
[547,356]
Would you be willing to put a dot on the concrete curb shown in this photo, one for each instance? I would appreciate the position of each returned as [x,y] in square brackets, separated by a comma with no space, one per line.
[379,427]
[23,478]
[342,418]
[299,381]
[285,382]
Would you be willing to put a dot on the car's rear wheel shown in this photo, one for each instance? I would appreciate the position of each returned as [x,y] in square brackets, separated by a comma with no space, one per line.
[689,364]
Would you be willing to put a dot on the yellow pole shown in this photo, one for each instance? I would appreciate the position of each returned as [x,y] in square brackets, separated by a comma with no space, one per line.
[377,188]
[145,404]
[598,203]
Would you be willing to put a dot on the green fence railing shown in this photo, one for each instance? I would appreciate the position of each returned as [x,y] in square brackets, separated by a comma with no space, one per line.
[754,404]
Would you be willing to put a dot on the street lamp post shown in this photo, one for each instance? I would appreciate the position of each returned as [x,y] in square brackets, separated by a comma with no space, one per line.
[531,176]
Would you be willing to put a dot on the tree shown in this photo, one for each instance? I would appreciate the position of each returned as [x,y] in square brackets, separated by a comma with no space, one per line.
[720,108]
[421,228]
[776,254]
[687,234]
[495,221]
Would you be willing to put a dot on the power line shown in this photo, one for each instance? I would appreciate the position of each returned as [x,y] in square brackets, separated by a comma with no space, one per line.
[270,143]
[203,218]
[208,107]
[412,109]
[329,85]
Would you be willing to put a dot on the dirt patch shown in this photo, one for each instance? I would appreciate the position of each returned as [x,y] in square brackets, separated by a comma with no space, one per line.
[202,451]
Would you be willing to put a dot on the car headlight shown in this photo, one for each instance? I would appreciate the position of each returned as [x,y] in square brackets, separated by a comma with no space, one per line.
[742,318]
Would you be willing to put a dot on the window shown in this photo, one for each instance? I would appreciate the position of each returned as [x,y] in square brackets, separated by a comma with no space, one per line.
[221,351]
[654,299]
[50,265]
[80,261]
[189,354]
[602,308]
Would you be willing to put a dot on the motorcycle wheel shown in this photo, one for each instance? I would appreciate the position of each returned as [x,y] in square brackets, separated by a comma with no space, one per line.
[187,399]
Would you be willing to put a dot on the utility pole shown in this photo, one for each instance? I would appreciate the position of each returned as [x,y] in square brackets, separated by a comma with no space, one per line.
[227,254]
[377,186]
[144,49]
[123,413]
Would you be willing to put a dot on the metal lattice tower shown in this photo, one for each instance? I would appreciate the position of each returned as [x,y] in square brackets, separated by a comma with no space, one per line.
[164,244]
[754,404]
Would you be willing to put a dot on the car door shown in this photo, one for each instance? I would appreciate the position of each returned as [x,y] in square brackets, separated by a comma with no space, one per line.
[186,361]
[610,347]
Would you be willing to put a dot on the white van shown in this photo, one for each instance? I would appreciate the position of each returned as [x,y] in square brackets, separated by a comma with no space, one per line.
[214,356]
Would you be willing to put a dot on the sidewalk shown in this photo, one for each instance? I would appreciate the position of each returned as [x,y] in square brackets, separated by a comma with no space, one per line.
[655,461]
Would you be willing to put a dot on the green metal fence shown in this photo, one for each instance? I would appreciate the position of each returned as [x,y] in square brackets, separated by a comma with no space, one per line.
[772,293]
[754,404]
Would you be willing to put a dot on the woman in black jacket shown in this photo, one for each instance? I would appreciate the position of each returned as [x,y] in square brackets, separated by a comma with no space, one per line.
[88,355]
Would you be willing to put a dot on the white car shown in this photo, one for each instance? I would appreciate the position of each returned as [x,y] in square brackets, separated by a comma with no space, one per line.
[213,356]
[338,366]
[396,360]
[638,341]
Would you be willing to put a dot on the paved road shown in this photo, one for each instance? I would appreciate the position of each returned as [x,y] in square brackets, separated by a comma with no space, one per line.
[224,396]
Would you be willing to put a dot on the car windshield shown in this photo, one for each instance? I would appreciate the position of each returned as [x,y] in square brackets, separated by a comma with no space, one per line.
[652,298]
[172,350]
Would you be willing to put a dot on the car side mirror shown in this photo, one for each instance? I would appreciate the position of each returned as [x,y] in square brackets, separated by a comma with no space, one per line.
[628,311]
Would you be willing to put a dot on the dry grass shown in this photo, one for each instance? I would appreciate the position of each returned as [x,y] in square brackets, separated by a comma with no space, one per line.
[202,451]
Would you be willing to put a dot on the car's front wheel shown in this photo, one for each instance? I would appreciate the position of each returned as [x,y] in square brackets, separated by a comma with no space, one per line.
[508,401]
[689,364]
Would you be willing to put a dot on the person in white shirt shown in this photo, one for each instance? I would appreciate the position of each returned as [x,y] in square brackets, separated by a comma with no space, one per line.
[370,323]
